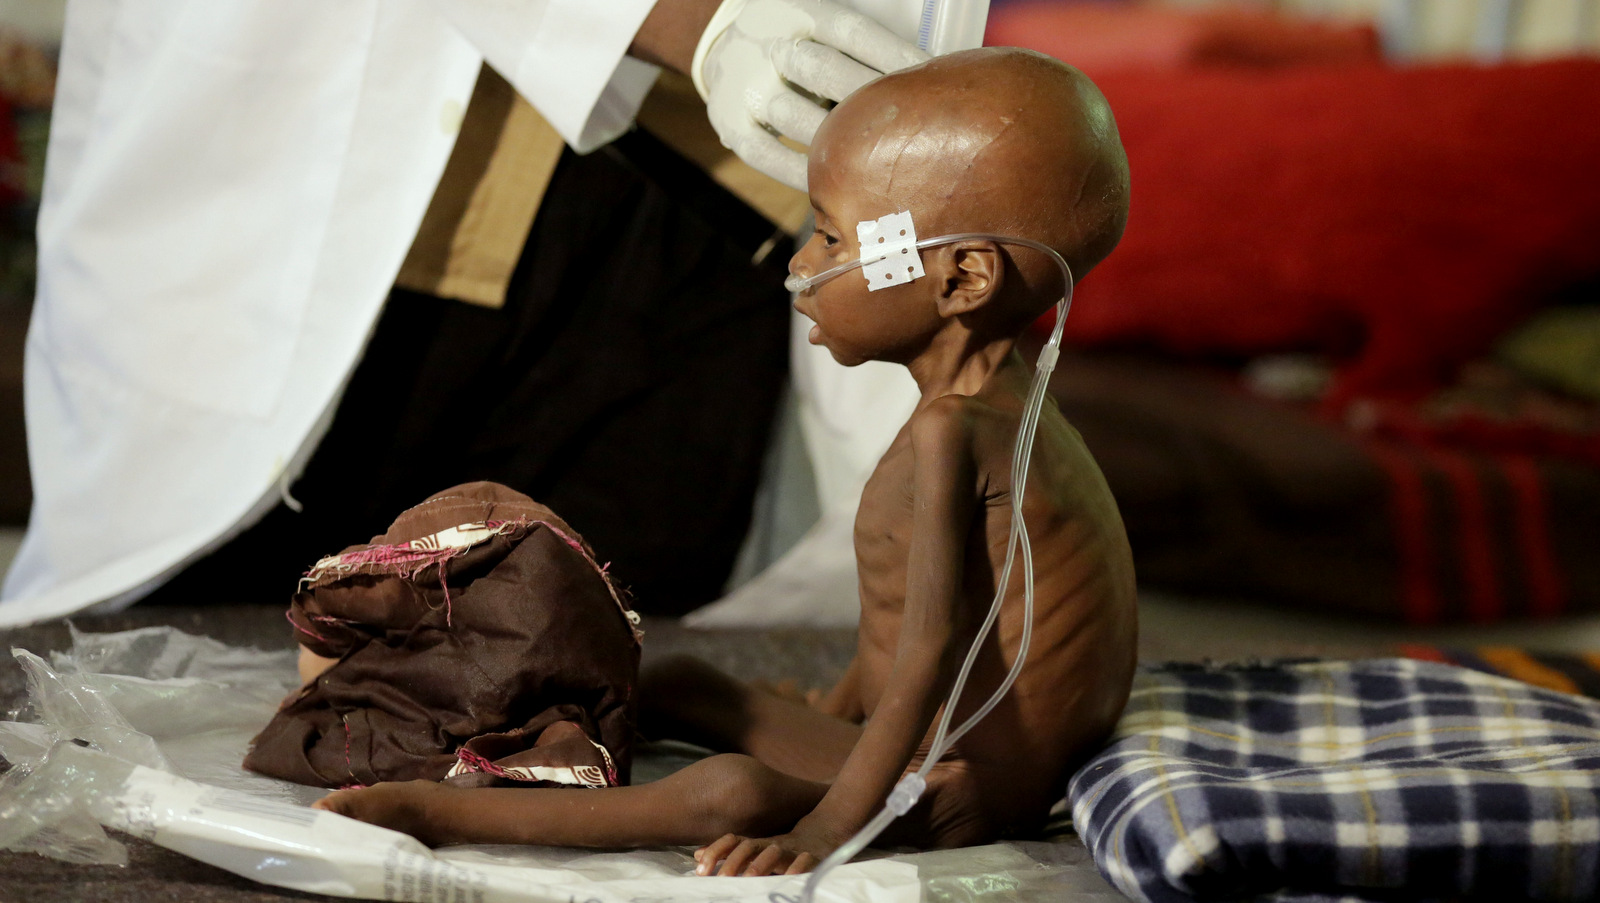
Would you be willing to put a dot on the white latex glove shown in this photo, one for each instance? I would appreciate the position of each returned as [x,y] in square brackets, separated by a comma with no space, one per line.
[755,50]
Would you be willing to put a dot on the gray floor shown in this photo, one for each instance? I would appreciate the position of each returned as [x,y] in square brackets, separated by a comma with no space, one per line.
[817,657]
[1171,625]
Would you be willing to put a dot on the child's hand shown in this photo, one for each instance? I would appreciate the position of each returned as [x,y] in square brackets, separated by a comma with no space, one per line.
[401,806]
[841,702]
[752,857]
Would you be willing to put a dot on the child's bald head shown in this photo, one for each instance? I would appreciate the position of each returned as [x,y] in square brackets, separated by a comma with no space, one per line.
[994,140]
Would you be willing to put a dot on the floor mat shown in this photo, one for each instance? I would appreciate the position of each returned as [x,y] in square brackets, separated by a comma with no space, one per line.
[142,731]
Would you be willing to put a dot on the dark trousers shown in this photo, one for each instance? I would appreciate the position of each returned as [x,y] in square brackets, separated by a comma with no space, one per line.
[629,383]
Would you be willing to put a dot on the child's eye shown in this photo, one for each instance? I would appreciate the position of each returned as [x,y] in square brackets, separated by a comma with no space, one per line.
[828,241]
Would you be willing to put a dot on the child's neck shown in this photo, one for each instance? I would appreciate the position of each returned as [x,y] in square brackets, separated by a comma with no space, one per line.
[959,362]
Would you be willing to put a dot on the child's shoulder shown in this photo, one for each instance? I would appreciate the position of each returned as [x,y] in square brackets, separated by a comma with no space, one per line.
[948,421]
[972,426]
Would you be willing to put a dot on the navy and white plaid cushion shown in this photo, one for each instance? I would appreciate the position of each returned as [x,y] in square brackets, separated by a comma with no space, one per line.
[1387,779]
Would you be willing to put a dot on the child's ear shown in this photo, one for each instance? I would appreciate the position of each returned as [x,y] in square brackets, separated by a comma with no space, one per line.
[970,274]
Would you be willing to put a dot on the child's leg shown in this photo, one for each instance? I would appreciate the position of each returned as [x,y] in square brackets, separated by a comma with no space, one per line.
[716,796]
[685,699]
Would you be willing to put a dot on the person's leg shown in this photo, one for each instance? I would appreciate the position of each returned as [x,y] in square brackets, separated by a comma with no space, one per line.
[682,698]
[713,797]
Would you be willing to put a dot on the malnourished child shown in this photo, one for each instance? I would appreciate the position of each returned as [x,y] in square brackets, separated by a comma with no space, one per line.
[999,141]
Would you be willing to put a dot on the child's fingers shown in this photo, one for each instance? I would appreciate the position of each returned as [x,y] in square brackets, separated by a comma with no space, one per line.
[709,855]
[766,862]
[735,863]
[804,863]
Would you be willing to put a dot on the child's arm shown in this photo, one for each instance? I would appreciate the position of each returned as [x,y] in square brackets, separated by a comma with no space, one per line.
[926,657]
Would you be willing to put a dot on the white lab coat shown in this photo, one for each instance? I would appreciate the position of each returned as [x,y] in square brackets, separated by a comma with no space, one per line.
[231,187]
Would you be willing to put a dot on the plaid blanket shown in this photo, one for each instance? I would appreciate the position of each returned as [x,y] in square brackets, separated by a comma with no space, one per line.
[1385,779]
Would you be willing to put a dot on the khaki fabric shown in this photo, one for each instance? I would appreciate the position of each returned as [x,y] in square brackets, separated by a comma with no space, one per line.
[473,232]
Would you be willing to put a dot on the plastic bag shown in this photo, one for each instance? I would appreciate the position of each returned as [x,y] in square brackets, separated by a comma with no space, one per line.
[43,809]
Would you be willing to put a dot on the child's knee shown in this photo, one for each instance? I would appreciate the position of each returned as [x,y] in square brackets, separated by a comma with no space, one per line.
[739,795]
[680,676]
[680,691]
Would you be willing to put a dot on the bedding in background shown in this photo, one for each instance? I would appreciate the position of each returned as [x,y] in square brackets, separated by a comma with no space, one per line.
[1559,348]
[1561,672]
[1105,37]
[1362,780]
[1398,223]
[1398,219]
[1227,493]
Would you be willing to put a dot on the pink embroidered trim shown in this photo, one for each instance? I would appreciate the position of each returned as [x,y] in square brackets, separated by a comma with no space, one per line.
[445,585]
[472,761]
[406,559]
[605,577]
[469,761]
[349,768]
[611,767]
[565,538]
[310,633]
[410,559]
[397,559]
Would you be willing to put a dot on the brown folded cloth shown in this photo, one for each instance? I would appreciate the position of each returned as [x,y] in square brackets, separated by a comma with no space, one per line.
[477,640]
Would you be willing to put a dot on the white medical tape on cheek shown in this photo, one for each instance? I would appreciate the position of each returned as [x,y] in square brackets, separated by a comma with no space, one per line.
[889,250]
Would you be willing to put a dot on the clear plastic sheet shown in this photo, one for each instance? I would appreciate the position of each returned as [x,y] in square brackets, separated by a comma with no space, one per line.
[143,732]
[43,808]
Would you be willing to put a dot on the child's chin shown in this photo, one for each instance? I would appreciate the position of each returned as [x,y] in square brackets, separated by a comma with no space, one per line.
[848,359]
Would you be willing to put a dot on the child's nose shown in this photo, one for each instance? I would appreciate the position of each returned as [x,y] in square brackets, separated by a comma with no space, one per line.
[798,268]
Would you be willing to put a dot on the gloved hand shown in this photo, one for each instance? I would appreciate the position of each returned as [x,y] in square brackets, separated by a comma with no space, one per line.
[754,50]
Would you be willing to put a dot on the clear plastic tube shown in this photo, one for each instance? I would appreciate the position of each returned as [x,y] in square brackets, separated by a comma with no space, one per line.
[910,787]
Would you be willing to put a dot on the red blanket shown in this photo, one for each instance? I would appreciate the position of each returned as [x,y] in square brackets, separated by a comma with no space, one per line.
[1108,37]
[1399,218]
